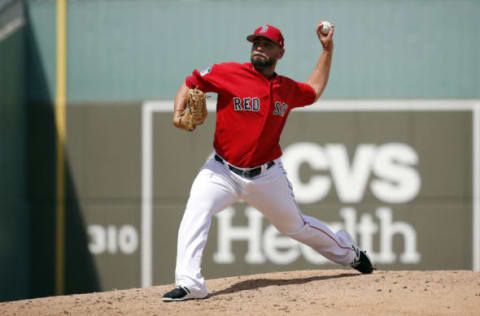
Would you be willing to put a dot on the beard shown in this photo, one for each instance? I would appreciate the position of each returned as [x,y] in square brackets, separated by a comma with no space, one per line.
[261,62]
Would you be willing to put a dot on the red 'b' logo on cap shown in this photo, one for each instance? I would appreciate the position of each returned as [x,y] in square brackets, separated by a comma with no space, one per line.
[267,31]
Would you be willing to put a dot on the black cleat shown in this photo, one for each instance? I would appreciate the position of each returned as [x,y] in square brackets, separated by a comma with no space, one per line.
[179,293]
[182,293]
[363,263]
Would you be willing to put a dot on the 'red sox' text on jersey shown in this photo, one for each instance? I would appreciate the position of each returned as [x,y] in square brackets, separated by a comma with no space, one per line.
[251,110]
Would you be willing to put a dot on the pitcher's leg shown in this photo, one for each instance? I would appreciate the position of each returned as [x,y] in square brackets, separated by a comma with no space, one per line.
[336,247]
[272,195]
[210,193]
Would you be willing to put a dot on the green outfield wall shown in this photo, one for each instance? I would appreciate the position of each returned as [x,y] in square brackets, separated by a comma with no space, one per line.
[399,157]
[134,50]
[396,174]
[15,222]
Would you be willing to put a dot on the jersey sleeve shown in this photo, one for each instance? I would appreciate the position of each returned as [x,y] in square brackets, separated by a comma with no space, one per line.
[302,94]
[208,80]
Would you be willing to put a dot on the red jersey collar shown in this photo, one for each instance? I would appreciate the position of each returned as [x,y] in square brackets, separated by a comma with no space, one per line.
[250,66]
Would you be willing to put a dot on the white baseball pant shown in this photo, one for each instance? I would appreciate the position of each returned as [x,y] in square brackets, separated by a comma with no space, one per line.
[216,187]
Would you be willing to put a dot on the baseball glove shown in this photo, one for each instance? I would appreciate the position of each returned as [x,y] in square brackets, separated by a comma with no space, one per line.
[196,111]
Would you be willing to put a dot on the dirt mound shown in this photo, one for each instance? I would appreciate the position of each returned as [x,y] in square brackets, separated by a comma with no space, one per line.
[317,292]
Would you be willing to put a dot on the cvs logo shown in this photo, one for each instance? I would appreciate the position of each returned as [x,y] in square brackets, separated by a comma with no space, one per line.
[391,166]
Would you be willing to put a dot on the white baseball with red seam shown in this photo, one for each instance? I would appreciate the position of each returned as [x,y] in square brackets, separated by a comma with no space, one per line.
[326,26]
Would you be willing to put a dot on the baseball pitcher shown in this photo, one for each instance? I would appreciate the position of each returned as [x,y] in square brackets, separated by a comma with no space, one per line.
[252,107]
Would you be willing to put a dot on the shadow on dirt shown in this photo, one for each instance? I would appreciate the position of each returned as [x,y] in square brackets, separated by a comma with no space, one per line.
[259,283]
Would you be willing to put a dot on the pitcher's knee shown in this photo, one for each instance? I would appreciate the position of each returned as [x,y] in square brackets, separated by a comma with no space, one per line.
[295,233]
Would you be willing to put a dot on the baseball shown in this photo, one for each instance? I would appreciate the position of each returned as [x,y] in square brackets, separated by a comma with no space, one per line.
[326,26]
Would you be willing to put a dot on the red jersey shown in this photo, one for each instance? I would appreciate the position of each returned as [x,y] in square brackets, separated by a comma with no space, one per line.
[251,110]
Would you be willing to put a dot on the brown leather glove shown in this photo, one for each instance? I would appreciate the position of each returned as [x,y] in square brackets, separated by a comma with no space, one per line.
[196,111]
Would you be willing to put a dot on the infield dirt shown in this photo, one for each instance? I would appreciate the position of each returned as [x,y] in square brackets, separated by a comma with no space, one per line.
[316,292]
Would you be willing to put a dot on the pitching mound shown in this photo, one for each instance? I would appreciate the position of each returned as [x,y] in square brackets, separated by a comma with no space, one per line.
[317,292]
